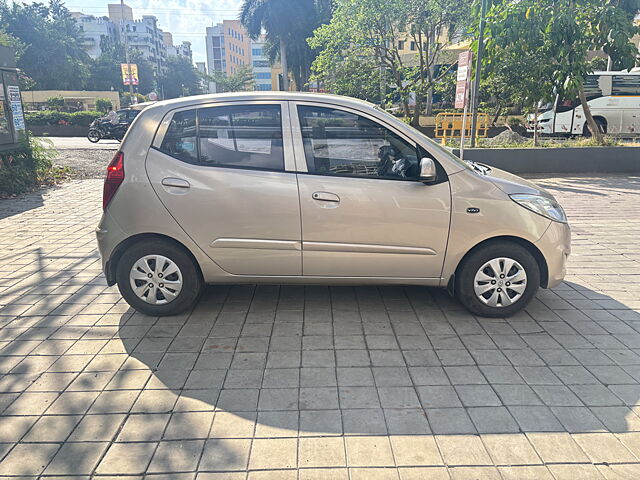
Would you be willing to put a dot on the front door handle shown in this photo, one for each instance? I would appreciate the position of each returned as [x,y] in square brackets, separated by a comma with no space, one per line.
[175,182]
[326,197]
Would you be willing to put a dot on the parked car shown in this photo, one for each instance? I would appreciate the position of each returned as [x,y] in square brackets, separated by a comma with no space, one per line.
[273,187]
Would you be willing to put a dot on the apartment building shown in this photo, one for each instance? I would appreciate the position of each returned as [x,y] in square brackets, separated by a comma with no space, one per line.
[260,65]
[99,33]
[228,47]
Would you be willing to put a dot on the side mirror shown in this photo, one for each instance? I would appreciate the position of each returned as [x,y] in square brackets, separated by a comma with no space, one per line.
[427,170]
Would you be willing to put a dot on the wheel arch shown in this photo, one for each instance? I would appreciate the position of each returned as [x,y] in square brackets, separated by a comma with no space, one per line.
[537,254]
[112,264]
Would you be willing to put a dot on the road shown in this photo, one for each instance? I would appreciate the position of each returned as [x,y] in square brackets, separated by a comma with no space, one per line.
[81,143]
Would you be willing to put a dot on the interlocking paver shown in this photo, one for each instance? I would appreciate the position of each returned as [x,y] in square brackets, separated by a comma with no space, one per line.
[338,382]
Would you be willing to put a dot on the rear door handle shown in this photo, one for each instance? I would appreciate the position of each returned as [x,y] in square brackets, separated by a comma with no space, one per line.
[326,197]
[175,182]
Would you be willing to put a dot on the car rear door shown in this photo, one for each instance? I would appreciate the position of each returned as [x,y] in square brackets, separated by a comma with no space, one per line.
[225,172]
[364,214]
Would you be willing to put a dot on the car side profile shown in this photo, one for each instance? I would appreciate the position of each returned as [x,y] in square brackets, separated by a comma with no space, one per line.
[275,187]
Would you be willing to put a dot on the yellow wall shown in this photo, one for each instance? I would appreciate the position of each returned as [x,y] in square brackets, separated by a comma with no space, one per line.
[33,98]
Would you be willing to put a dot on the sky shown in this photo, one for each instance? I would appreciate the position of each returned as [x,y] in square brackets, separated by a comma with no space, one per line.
[185,19]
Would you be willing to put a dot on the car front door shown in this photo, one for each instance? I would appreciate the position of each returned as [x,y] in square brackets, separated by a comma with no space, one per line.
[364,211]
[226,174]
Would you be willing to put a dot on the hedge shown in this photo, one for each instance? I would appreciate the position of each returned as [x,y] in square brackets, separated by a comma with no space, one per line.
[52,117]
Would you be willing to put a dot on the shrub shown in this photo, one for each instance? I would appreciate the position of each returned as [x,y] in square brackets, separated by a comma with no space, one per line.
[103,105]
[83,118]
[27,166]
[55,103]
[50,117]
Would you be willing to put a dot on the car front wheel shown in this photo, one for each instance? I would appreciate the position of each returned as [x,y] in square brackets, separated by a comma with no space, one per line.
[497,279]
[158,278]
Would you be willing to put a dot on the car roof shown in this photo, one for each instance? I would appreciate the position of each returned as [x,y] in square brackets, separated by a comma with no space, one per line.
[260,96]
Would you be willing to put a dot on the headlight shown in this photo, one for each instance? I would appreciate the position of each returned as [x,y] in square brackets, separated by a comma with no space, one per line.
[541,205]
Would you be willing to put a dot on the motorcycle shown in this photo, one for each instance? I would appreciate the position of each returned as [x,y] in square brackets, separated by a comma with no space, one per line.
[103,129]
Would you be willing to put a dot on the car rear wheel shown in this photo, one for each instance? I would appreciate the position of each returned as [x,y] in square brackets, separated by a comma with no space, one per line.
[497,279]
[158,278]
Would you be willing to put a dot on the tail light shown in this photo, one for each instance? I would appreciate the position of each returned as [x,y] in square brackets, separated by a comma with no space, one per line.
[115,176]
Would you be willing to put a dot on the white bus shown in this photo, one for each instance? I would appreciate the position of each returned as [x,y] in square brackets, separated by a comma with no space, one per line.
[614,99]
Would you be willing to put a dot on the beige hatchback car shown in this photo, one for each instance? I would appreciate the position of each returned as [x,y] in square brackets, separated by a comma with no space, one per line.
[315,189]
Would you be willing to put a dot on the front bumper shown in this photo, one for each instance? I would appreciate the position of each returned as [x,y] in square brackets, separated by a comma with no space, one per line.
[555,245]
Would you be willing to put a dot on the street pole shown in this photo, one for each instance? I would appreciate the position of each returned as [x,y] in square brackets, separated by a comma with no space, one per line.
[126,52]
[476,83]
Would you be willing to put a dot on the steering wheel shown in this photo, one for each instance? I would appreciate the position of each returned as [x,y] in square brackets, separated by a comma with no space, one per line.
[387,154]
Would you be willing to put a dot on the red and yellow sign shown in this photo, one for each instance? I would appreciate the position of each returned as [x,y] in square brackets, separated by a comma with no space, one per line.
[129,73]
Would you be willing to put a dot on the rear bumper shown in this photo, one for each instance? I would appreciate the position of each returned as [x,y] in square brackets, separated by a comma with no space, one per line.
[555,245]
[109,236]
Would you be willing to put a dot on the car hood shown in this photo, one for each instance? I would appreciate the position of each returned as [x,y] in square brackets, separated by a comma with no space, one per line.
[512,184]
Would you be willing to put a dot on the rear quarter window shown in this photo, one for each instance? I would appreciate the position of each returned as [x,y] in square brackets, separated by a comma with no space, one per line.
[181,139]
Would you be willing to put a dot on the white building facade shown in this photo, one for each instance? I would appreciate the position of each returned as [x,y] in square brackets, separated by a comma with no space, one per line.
[260,65]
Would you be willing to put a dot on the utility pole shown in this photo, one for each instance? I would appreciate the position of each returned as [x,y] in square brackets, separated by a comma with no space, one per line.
[126,52]
[476,84]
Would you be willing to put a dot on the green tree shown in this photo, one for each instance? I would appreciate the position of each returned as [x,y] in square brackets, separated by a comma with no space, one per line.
[287,23]
[181,79]
[55,103]
[374,28]
[240,81]
[52,53]
[103,105]
[563,33]
[105,72]
[353,76]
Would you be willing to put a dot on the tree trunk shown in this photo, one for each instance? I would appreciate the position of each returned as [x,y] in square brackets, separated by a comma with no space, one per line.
[405,107]
[415,121]
[496,116]
[593,126]
[535,127]
[285,67]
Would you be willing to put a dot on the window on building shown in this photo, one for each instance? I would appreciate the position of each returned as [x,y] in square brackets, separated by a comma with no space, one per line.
[412,46]
[341,143]
[626,85]
[256,52]
[263,75]
[261,63]
[401,44]
[242,137]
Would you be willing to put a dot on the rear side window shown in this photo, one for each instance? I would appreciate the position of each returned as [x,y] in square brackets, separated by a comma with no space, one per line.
[180,141]
[241,136]
[626,85]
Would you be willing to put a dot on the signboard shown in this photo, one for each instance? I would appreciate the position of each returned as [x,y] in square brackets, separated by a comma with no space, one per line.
[464,75]
[129,73]
[15,101]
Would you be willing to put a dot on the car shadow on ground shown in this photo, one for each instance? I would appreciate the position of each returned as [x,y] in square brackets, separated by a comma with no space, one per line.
[390,360]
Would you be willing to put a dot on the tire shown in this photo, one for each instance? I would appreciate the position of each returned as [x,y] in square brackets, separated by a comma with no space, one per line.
[94,135]
[602,125]
[478,270]
[185,284]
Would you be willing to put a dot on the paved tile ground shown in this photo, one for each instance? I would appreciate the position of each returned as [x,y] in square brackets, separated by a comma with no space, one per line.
[309,383]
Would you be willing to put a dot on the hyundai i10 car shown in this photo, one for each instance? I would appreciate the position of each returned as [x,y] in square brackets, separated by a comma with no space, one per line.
[294,188]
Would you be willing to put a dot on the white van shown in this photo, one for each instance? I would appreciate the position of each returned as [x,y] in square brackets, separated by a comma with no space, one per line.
[614,99]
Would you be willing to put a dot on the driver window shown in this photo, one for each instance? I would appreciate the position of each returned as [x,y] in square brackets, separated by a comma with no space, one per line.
[342,143]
